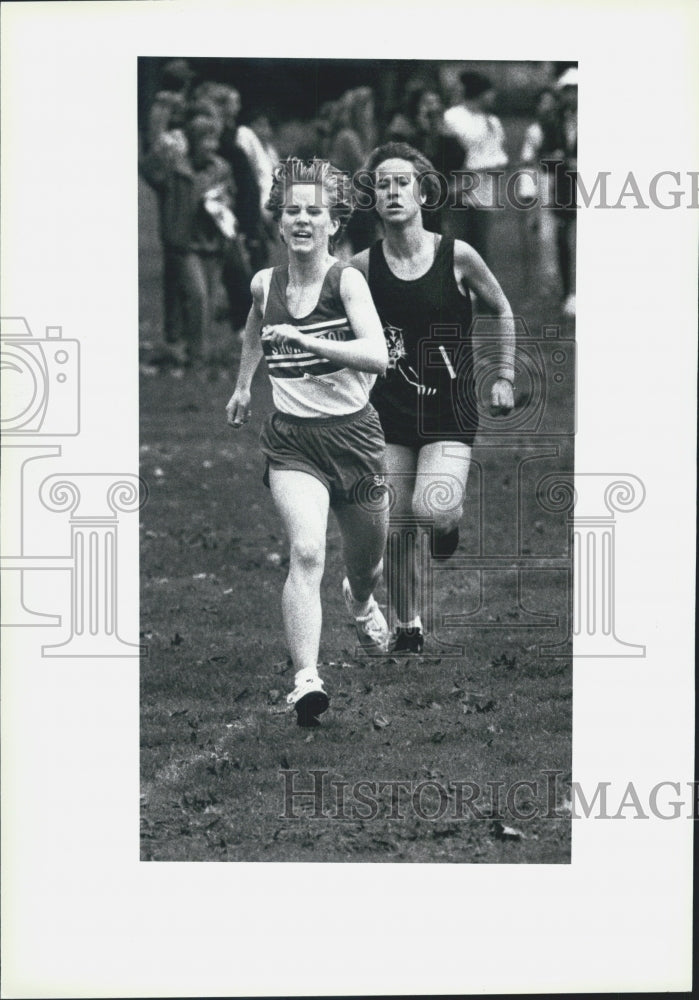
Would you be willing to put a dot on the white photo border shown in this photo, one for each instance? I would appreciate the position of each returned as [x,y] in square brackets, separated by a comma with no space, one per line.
[82,915]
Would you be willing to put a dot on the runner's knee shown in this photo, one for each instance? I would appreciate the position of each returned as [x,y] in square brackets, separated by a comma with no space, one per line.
[308,555]
[439,501]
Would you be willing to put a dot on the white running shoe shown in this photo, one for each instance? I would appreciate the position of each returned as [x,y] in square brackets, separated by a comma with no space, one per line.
[309,699]
[372,628]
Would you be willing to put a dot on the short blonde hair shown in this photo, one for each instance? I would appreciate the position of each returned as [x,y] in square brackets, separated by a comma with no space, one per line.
[336,185]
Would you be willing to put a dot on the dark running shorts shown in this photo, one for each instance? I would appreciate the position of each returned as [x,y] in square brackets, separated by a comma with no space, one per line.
[427,426]
[345,453]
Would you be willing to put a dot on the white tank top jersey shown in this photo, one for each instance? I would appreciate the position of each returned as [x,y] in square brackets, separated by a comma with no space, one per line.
[303,384]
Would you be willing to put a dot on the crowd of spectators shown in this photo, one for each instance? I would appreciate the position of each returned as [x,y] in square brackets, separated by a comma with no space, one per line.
[212,176]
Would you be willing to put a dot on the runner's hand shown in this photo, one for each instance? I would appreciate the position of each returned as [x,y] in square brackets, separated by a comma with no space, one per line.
[502,398]
[280,334]
[238,407]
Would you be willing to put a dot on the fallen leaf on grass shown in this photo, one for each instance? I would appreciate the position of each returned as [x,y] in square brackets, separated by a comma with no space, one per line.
[478,703]
[509,662]
[380,722]
[177,639]
[503,832]
[241,695]
[437,737]
[181,711]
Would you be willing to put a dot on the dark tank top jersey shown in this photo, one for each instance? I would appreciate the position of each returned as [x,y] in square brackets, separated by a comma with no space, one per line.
[427,325]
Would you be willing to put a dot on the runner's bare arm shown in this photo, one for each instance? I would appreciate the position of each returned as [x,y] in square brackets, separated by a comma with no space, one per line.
[472,272]
[238,406]
[361,262]
[368,353]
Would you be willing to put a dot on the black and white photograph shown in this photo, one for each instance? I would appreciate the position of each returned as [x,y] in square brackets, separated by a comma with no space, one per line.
[356,582]
[348,362]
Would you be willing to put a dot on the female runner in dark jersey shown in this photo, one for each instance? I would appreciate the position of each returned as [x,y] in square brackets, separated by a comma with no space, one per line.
[317,326]
[421,283]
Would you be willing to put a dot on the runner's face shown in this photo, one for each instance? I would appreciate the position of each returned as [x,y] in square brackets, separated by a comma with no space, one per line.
[429,112]
[305,224]
[397,191]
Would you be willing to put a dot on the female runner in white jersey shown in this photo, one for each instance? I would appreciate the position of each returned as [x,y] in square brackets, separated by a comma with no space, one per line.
[421,283]
[318,328]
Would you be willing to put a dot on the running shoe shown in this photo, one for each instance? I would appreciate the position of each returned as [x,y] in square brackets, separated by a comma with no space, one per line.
[372,628]
[408,640]
[445,543]
[309,699]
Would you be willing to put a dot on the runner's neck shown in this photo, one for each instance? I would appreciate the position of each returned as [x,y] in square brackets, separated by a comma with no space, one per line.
[310,271]
[405,243]
[409,245]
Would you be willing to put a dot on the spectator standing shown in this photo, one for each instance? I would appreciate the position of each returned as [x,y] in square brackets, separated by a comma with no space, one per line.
[167,113]
[564,185]
[550,148]
[261,125]
[536,188]
[197,223]
[482,138]
[165,135]
[354,136]
[248,251]
[430,137]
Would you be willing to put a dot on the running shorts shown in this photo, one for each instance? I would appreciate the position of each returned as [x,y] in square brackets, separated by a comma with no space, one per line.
[346,453]
[427,426]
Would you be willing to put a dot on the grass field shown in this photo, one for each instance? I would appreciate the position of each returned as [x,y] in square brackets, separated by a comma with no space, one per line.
[218,746]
